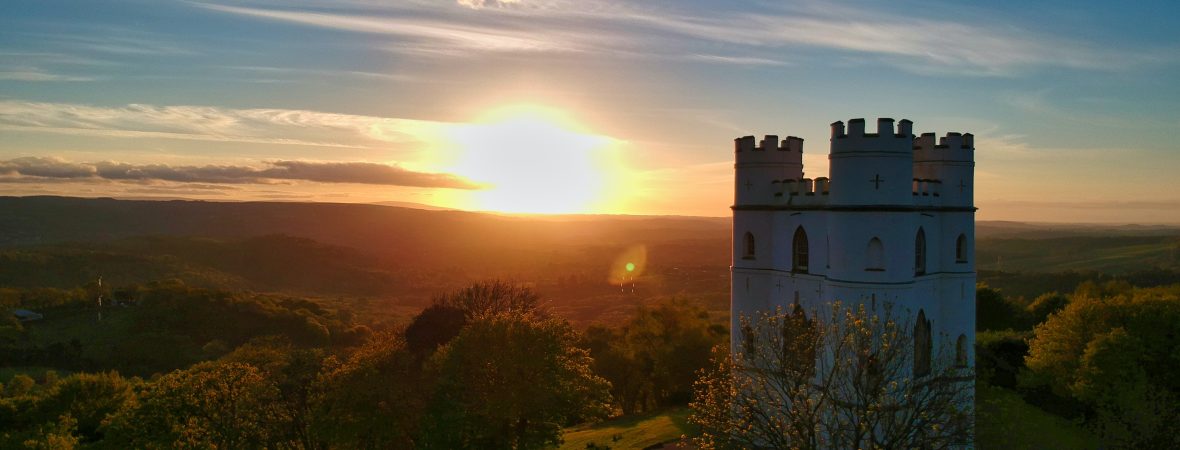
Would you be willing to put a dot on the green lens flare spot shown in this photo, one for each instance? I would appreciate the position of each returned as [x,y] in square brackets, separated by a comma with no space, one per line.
[630,267]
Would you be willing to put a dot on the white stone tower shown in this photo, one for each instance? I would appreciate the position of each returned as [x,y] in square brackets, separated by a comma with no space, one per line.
[895,224]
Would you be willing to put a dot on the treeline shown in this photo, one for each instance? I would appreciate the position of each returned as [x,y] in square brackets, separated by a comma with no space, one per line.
[1033,284]
[270,262]
[1104,355]
[158,327]
[486,366]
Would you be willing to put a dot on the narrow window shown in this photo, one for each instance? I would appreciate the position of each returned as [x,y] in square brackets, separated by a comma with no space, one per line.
[961,249]
[801,257]
[920,252]
[923,345]
[961,351]
[799,344]
[749,246]
[747,339]
[875,256]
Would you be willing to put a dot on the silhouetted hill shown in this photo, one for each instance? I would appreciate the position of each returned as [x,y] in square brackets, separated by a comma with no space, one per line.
[392,234]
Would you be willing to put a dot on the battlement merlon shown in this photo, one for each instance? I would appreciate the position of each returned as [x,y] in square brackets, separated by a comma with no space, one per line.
[769,151]
[886,139]
[954,147]
[856,128]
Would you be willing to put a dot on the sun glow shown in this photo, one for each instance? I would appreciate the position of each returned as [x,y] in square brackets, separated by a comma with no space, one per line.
[534,160]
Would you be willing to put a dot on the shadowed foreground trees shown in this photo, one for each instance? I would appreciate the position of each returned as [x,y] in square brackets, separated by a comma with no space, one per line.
[651,360]
[508,381]
[843,381]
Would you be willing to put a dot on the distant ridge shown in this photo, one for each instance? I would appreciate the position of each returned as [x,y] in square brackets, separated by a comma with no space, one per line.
[401,234]
[405,228]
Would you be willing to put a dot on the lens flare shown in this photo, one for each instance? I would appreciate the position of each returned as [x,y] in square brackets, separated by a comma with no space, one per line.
[628,266]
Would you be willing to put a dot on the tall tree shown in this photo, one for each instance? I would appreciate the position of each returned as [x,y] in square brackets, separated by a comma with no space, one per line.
[372,400]
[510,381]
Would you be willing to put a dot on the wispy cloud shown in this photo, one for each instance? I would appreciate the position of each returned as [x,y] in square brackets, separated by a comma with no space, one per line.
[32,169]
[206,123]
[477,4]
[464,35]
[35,74]
[933,45]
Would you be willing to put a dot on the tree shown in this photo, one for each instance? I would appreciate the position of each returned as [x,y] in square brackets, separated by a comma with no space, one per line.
[374,399]
[843,381]
[510,381]
[294,371]
[88,398]
[651,360]
[434,326]
[995,312]
[1116,350]
[210,405]
[492,298]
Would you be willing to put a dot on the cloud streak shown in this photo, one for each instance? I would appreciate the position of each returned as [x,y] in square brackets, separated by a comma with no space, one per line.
[33,169]
[205,123]
[935,45]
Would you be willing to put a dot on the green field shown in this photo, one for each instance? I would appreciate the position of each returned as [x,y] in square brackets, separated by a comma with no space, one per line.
[1004,420]
[638,431]
[1114,255]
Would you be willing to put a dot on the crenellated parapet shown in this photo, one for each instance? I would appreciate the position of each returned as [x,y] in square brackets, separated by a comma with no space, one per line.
[769,150]
[871,168]
[954,147]
[759,163]
[886,138]
[803,191]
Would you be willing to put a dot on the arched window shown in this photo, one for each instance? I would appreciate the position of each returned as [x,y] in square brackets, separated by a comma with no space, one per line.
[749,246]
[799,343]
[747,339]
[920,252]
[961,248]
[875,256]
[800,256]
[961,351]
[923,345]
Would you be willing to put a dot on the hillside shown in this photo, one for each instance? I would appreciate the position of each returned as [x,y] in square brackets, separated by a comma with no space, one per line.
[396,258]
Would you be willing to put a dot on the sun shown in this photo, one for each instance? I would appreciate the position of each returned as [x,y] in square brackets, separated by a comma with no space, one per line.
[533,159]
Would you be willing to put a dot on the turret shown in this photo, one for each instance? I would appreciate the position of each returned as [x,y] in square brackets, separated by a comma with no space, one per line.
[759,167]
[951,161]
[871,168]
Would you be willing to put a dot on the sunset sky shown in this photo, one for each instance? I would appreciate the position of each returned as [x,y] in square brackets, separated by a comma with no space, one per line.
[585,106]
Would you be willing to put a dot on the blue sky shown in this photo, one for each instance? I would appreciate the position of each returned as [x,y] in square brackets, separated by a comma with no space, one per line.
[1073,103]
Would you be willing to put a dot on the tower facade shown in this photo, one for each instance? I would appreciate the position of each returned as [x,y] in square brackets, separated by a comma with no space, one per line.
[894,224]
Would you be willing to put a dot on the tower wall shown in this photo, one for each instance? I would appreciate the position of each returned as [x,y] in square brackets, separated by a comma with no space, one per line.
[760,164]
[871,168]
[950,160]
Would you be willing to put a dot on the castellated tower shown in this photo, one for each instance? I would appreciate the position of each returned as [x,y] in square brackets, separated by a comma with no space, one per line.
[894,224]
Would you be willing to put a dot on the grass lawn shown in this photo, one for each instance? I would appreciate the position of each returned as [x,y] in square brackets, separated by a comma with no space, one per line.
[97,338]
[637,431]
[1004,420]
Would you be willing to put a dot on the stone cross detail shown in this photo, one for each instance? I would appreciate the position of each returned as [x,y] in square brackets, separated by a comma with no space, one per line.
[749,184]
[779,285]
[962,184]
[877,181]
